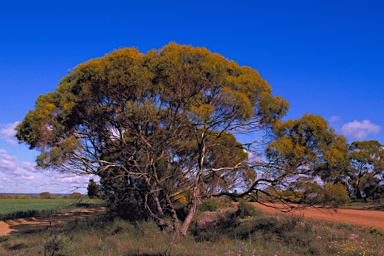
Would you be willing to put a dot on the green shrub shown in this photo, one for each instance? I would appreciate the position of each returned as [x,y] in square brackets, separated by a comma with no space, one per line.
[224,202]
[245,209]
[334,195]
[208,206]
[54,244]
[121,226]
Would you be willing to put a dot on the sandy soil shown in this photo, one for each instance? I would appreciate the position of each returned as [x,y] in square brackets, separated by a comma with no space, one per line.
[30,224]
[361,217]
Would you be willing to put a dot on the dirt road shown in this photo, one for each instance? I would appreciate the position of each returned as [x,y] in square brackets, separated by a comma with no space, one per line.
[361,217]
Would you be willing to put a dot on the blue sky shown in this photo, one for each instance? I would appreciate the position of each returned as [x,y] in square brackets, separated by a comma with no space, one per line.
[323,57]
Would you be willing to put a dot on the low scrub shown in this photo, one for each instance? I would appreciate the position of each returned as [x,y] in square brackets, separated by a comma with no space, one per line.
[235,232]
[208,206]
[245,209]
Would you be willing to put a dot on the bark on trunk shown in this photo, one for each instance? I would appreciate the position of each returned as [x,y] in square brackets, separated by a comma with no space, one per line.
[160,212]
[192,212]
[175,219]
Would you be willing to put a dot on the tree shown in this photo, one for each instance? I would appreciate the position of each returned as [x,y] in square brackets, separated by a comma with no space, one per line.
[308,191]
[303,150]
[75,195]
[154,126]
[366,170]
[93,189]
[46,195]
[334,194]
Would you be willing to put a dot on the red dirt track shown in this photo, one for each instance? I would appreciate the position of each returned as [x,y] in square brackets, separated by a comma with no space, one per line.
[361,217]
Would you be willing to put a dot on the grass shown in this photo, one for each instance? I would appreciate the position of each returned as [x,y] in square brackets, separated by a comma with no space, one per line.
[224,232]
[20,208]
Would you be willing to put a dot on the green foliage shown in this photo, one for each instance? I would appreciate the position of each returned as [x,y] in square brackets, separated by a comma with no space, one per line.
[288,195]
[224,202]
[366,170]
[246,210]
[334,195]
[54,244]
[307,146]
[312,193]
[93,189]
[208,206]
[304,150]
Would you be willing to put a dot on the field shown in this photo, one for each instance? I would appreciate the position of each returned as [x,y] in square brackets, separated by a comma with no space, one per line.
[226,231]
[14,208]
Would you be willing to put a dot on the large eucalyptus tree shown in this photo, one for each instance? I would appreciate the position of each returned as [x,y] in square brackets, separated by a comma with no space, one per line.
[153,127]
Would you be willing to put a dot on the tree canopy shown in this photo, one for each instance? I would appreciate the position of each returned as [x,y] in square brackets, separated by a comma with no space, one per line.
[365,174]
[307,146]
[302,151]
[154,126]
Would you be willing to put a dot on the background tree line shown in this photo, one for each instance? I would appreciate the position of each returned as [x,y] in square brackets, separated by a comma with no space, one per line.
[42,195]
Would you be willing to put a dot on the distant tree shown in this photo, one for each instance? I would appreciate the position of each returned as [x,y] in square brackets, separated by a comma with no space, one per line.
[366,171]
[334,195]
[46,195]
[93,189]
[75,195]
[311,191]
[153,126]
[303,150]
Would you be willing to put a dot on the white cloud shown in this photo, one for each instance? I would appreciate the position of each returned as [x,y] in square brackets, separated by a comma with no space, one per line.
[7,162]
[360,130]
[7,132]
[31,167]
[23,177]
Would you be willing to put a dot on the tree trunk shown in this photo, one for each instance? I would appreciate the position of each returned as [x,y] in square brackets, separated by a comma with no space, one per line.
[358,195]
[175,219]
[196,200]
[192,212]
[160,213]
